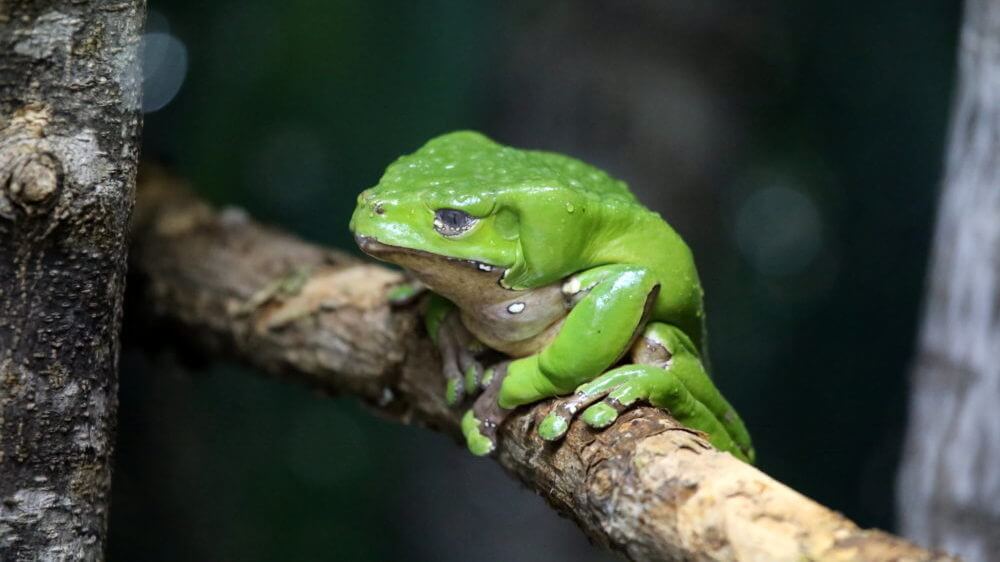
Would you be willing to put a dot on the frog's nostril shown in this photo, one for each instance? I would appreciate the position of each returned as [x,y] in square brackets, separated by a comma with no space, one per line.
[365,196]
[378,208]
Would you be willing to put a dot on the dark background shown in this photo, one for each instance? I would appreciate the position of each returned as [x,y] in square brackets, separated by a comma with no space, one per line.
[796,146]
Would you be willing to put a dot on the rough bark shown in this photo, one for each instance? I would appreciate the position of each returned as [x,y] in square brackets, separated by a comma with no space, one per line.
[69,121]
[949,484]
[646,487]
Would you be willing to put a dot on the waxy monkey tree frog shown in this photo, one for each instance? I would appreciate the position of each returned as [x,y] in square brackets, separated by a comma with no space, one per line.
[591,297]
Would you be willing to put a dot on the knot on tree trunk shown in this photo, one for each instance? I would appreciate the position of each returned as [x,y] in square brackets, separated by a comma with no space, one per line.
[31,175]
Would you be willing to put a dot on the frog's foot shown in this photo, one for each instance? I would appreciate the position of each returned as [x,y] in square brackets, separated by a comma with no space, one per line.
[631,385]
[462,370]
[480,424]
[599,415]
[556,423]
[628,386]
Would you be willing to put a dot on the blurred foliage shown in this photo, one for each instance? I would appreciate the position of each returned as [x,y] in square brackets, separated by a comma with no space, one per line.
[810,221]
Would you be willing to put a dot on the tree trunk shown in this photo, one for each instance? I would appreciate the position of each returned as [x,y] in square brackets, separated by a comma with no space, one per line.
[69,126]
[949,487]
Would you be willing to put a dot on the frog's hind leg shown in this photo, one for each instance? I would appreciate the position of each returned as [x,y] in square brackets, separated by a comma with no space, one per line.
[663,344]
[667,373]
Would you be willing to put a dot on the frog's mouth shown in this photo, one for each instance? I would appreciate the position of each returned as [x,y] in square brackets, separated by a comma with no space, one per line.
[386,252]
[455,278]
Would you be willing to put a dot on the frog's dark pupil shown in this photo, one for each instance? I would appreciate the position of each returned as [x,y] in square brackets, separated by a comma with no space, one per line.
[453,219]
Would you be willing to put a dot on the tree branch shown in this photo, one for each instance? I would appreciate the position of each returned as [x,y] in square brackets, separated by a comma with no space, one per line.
[645,486]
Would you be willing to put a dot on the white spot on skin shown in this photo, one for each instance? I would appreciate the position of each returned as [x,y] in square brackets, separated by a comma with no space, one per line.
[516,308]
[571,287]
[484,267]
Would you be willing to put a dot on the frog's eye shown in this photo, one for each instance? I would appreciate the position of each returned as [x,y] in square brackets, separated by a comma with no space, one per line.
[452,222]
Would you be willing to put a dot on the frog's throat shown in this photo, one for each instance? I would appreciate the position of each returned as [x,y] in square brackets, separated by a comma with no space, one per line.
[463,281]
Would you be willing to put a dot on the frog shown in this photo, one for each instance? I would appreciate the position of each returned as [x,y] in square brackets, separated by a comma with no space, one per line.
[553,270]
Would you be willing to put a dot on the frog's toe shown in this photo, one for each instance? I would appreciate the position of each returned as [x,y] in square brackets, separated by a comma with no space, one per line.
[620,398]
[464,376]
[553,427]
[556,423]
[454,390]
[618,390]
[479,444]
[601,415]
[473,373]
[462,369]
[627,394]
[488,377]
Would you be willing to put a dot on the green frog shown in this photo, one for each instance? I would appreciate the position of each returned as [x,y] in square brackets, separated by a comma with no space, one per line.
[590,297]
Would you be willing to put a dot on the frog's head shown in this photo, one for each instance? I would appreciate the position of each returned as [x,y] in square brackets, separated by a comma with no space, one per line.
[464,200]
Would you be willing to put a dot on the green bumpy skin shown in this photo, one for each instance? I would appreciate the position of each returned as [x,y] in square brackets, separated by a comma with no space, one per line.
[556,264]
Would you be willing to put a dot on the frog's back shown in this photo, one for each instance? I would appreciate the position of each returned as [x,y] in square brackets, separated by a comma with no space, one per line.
[462,162]
[632,234]
[585,178]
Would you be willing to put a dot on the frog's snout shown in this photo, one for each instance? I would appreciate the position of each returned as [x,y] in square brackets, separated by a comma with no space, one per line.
[366,243]
[367,200]
[368,210]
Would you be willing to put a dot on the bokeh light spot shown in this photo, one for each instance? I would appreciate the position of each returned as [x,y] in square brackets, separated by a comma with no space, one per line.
[165,64]
[778,230]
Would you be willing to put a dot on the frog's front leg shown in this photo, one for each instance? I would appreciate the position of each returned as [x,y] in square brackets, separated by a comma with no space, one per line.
[459,349]
[610,305]
[480,424]
[667,373]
